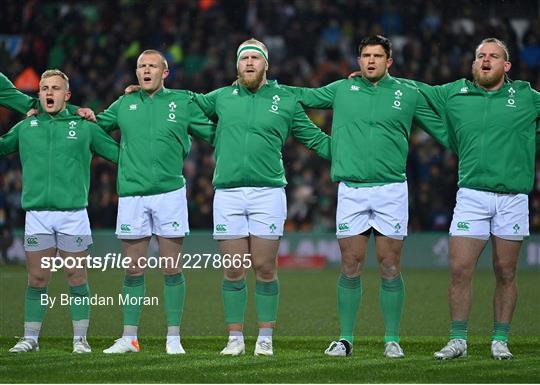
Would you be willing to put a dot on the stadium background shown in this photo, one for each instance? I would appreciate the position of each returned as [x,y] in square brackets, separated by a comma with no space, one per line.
[311,43]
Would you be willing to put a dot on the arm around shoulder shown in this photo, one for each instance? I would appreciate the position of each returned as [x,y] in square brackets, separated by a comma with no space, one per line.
[309,134]
[103,144]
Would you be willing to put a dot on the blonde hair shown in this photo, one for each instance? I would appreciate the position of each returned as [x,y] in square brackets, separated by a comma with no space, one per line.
[55,72]
[155,52]
[500,43]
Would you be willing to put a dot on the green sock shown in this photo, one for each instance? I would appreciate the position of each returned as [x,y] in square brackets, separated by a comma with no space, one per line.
[34,311]
[234,294]
[500,331]
[133,287]
[174,292]
[79,311]
[458,329]
[349,295]
[267,300]
[392,293]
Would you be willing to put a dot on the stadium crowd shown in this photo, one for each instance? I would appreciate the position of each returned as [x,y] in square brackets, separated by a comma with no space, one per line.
[311,43]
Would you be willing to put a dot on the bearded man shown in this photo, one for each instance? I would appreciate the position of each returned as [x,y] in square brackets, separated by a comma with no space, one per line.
[493,127]
[255,118]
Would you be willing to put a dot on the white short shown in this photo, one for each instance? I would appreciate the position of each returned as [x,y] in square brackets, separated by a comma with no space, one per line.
[164,214]
[65,230]
[479,213]
[241,211]
[385,208]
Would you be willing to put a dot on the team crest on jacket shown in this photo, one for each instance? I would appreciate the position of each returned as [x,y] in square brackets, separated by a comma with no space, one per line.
[72,134]
[275,104]
[511,102]
[172,112]
[397,100]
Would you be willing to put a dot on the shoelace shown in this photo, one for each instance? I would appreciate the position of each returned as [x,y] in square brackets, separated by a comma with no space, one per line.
[452,348]
[337,345]
[265,345]
[25,342]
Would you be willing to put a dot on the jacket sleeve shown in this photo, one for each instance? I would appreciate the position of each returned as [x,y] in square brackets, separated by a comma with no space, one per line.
[430,121]
[14,99]
[321,98]
[102,144]
[9,142]
[436,96]
[108,119]
[207,103]
[305,131]
[199,124]
[536,97]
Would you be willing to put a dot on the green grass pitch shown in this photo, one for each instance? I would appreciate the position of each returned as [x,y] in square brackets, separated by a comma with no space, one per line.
[307,323]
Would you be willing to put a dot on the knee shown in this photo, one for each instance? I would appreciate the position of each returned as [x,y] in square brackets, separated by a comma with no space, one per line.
[265,272]
[136,266]
[351,263]
[171,270]
[389,267]
[234,274]
[505,274]
[460,274]
[38,280]
[75,277]
[134,271]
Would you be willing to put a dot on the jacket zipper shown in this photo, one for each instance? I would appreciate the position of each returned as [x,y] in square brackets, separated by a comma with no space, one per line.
[246,136]
[487,102]
[51,154]
[374,101]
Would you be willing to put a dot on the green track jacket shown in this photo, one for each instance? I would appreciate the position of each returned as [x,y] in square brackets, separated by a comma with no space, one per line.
[55,155]
[371,127]
[14,99]
[155,138]
[252,129]
[492,132]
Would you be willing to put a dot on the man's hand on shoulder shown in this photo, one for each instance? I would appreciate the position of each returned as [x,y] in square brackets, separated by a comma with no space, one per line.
[132,88]
[31,112]
[87,114]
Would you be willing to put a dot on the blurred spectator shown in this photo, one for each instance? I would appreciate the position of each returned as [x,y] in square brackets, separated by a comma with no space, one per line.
[313,42]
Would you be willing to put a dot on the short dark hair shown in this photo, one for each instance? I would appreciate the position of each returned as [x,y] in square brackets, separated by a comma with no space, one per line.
[376,40]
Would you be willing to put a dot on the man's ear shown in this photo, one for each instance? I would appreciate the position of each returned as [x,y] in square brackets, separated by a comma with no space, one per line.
[507,66]
[68,96]
[389,62]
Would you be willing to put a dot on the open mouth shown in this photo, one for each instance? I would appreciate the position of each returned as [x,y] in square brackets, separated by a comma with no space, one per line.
[50,102]
[371,68]
[147,79]
[486,68]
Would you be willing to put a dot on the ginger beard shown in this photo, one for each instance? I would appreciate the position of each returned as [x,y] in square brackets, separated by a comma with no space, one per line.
[486,75]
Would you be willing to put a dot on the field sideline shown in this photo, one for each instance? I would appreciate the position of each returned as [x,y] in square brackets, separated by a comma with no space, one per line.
[307,323]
